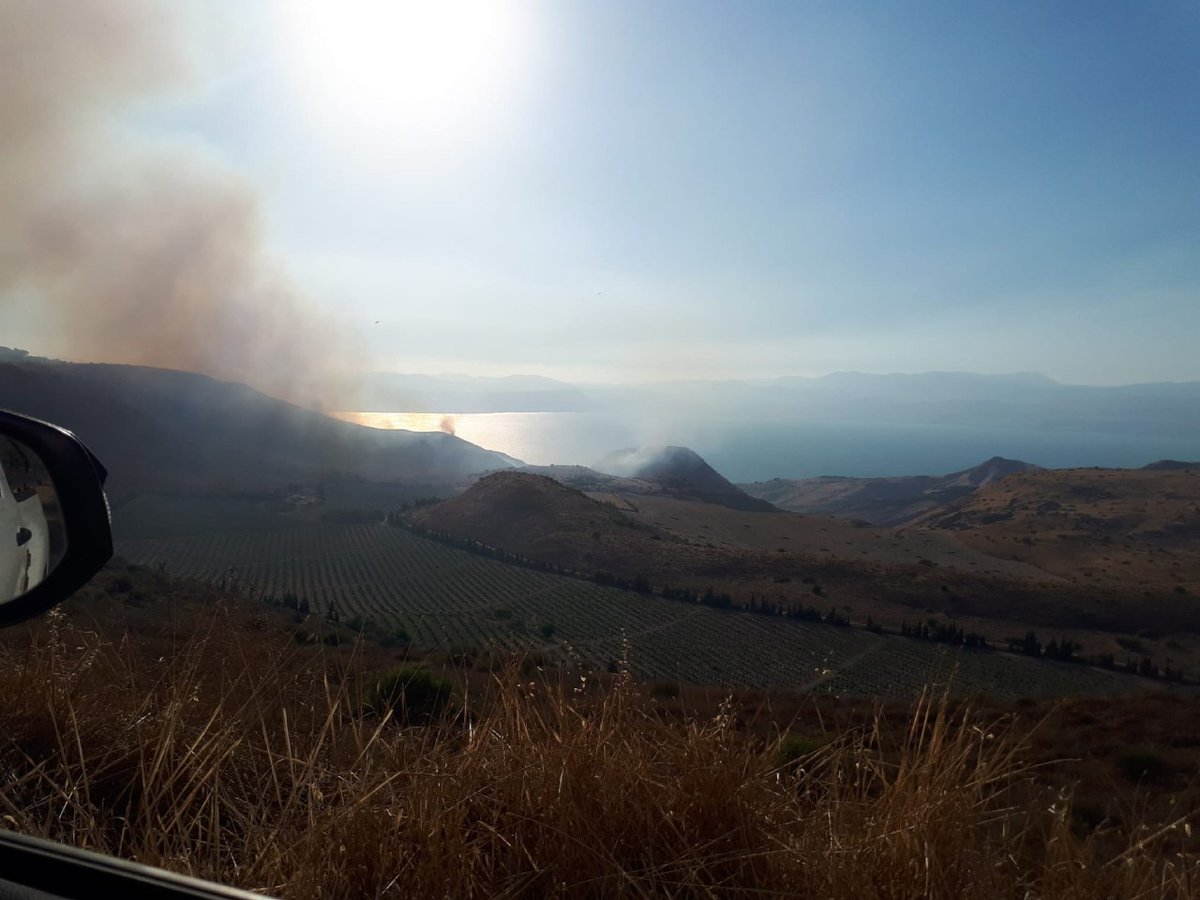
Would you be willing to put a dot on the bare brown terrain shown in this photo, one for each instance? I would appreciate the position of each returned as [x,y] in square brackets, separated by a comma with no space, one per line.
[971,565]
[881,501]
[540,518]
[1136,529]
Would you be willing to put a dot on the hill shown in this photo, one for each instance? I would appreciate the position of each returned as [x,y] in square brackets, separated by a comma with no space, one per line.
[1170,465]
[881,501]
[1138,528]
[888,574]
[681,473]
[589,480]
[959,570]
[157,429]
[542,519]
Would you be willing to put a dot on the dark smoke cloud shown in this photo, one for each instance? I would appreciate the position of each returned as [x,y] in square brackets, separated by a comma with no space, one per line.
[135,250]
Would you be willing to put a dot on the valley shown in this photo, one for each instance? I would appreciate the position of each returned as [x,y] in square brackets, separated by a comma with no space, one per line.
[389,583]
[599,450]
[215,481]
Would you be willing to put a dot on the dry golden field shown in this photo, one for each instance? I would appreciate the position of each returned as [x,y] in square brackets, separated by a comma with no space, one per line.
[187,730]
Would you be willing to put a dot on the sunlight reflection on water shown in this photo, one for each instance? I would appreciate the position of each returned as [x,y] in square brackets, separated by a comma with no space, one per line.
[749,449]
[537,438]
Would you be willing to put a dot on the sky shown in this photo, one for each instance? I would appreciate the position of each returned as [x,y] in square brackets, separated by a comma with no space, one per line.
[622,190]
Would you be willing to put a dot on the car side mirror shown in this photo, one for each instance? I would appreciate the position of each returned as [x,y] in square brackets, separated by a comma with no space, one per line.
[55,531]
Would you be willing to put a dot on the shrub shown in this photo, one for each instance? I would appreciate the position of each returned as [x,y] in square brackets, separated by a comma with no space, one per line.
[399,637]
[411,694]
[793,748]
[1143,766]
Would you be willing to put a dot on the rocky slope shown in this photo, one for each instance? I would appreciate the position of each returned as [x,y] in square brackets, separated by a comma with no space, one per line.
[882,501]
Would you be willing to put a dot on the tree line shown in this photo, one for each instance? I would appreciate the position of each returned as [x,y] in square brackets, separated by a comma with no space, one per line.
[932,630]
[638,584]
[1066,650]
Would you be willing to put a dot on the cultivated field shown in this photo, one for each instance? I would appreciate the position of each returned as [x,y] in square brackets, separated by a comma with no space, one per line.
[448,598]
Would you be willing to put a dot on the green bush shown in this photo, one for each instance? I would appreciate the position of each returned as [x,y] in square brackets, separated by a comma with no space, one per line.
[412,694]
[396,638]
[1143,766]
[794,748]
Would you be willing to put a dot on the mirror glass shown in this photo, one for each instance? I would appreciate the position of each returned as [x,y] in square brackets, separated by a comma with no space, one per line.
[32,535]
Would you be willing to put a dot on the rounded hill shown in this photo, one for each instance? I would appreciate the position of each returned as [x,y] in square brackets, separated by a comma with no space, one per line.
[543,519]
[682,473]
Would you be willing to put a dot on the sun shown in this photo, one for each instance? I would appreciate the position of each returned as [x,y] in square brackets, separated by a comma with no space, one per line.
[402,70]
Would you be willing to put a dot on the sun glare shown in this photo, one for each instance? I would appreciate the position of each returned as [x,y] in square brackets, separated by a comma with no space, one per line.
[402,70]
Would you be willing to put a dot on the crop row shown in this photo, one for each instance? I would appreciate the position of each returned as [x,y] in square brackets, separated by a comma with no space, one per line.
[448,598]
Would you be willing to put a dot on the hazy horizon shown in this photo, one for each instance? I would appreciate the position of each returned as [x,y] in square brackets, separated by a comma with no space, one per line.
[668,380]
[287,193]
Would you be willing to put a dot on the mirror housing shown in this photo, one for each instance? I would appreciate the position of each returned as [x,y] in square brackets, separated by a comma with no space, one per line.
[78,480]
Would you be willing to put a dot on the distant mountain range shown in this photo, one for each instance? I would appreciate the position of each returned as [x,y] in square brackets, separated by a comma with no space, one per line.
[157,428]
[393,392]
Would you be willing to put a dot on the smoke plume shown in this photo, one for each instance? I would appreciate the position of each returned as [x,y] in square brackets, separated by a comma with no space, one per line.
[131,249]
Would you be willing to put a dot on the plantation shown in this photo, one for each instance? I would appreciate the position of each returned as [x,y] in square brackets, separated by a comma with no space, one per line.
[442,597]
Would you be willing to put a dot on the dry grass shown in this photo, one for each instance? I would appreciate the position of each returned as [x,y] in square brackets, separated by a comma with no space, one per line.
[239,758]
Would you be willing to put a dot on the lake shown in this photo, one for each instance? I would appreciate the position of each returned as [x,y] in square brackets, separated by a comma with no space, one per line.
[755,450]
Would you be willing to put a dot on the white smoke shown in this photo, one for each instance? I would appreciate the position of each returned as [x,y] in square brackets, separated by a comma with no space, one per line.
[131,250]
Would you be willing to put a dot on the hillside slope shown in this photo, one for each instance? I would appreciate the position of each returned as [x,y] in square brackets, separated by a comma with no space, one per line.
[162,429]
[1131,527]
[543,519]
[589,480]
[888,574]
[681,473]
[881,501]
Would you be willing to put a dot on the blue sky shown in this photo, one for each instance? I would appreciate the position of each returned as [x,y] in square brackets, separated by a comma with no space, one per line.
[740,189]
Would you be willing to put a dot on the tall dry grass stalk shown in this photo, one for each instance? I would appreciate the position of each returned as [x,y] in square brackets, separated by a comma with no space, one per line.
[234,758]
